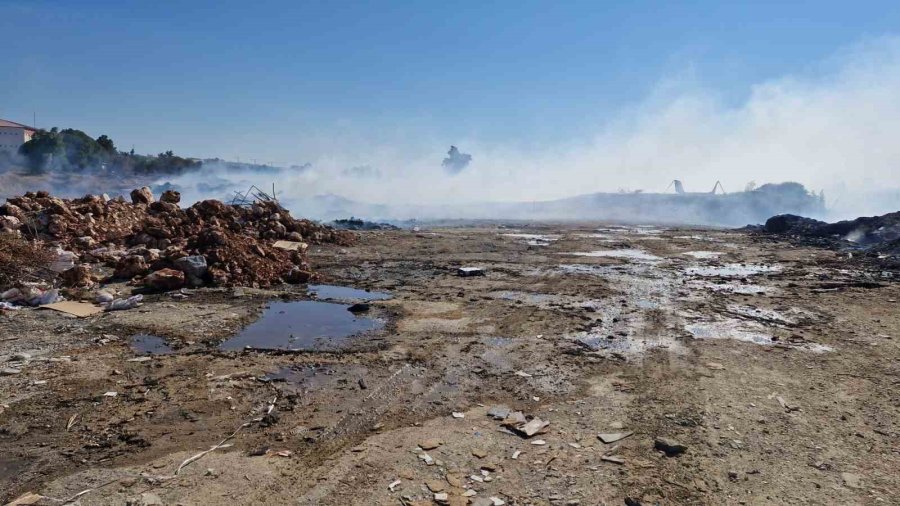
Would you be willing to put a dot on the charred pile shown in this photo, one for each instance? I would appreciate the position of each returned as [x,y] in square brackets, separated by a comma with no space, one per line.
[162,246]
[875,235]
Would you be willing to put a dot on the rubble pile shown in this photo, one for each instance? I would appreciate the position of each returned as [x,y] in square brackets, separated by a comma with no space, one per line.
[20,259]
[880,234]
[360,224]
[164,247]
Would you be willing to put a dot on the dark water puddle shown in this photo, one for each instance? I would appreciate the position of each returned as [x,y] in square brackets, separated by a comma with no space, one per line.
[345,293]
[302,326]
[146,344]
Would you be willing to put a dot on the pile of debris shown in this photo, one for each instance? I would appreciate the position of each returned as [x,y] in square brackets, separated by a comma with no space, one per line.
[20,260]
[159,245]
[359,224]
[881,233]
[875,238]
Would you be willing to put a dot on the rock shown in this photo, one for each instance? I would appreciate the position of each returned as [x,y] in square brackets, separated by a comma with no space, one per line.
[478,452]
[131,266]
[194,268]
[532,427]
[435,485]
[442,498]
[613,437]
[9,371]
[150,499]
[669,446]
[498,412]
[142,196]
[491,464]
[455,481]
[851,480]
[429,444]
[297,275]
[362,384]
[466,272]
[613,459]
[78,276]
[360,307]
[164,280]
[170,197]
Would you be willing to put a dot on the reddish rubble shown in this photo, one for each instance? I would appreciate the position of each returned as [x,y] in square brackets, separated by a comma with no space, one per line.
[158,244]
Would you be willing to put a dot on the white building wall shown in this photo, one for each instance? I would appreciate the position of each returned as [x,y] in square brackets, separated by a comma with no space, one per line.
[13,137]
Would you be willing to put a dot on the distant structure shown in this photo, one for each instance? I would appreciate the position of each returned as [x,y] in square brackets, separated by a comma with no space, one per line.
[679,188]
[13,135]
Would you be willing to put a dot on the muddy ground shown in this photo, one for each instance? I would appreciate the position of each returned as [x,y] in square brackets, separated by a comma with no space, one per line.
[775,366]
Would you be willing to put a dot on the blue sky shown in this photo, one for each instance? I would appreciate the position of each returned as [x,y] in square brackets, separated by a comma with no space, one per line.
[289,82]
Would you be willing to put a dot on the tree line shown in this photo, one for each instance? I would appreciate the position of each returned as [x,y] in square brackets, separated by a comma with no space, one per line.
[75,151]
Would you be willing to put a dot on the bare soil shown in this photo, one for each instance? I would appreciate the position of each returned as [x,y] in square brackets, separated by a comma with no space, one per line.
[775,366]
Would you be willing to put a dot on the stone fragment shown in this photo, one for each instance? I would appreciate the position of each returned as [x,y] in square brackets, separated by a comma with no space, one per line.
[142,196]
[164,280]
[429,444]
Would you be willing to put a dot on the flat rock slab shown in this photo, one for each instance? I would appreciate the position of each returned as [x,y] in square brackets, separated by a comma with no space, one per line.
[612,437]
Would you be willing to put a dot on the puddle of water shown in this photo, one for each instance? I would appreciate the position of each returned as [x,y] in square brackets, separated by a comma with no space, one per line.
[760,314]
[497,341]
[629,254]
[703,255]
[738,288]
[146,344]
[745,331]
[302,326]
[728,329]
[732,270]
[529,298]
[345,293]
[627,345]
[535,239]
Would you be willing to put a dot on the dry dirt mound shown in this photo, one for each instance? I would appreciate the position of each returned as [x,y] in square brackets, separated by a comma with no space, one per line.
[164,246]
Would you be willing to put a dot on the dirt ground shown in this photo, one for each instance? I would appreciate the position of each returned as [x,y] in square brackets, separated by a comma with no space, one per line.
[776,367]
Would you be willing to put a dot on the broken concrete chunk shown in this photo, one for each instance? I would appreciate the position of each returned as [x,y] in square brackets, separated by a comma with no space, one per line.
[669,446]
[613,459]
[533,427]
[291,245]
[612,437]
[498,412]
[466,272]
[514,418]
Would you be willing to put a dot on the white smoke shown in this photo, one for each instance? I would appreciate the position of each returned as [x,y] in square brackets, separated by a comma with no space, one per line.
[835,129]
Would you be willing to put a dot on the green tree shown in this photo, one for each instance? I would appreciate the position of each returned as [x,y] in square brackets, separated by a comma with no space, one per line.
[106,143]
[45,149]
